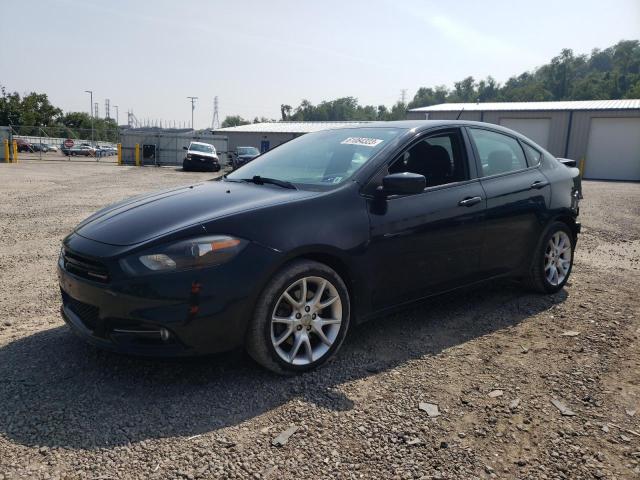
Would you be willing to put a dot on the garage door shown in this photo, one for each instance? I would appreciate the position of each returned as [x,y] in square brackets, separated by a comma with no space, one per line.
[613,151]
[537,129]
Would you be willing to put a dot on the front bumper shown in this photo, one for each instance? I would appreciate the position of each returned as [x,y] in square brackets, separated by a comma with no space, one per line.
[197,162]
[203,311]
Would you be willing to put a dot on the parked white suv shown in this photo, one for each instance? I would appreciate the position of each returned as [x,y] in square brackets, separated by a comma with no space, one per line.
[201,156]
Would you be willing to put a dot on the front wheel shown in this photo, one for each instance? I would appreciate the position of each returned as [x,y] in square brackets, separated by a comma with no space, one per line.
[300,319]
[553,259]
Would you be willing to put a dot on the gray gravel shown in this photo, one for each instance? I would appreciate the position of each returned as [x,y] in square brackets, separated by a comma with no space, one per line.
[68,410]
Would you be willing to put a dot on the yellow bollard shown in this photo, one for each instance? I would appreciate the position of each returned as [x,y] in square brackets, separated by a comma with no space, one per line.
[581,167]
[7,158]
[137,155]
[119,154]
[15,151]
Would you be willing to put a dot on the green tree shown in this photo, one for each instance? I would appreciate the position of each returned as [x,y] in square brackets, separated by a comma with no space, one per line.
[28,112]
[234,121]
[285,112]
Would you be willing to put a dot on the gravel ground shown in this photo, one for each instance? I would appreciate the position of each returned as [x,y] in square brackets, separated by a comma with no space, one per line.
[492,359]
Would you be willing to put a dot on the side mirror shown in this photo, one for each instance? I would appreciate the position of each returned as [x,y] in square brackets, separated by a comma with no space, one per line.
[185,148]
[405,183]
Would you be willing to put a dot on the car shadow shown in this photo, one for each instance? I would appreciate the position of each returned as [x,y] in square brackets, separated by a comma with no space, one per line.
[56,391]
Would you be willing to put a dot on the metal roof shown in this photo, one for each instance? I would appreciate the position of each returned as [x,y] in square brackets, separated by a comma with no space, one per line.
[289,127]
[631,104]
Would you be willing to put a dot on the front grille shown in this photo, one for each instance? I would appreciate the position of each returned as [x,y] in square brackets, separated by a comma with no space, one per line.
[201,158]
[88,314]
[84,267]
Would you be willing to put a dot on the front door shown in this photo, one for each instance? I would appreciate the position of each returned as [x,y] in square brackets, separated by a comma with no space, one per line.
[431,241]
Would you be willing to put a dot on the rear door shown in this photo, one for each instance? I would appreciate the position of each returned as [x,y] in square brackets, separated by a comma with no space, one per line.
[431,241]
[518,195]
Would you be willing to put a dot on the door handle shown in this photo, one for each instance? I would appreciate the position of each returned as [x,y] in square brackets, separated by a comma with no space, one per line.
[470,201]
[538,184]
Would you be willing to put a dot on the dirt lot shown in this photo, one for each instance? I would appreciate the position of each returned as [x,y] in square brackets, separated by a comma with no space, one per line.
[68,410]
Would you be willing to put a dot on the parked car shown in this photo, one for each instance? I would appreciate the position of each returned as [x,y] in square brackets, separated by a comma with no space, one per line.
[23,145]
[52,148]
[102,151]
[201,156]
[41,147]
[82,150]
[243,155]
[333,228]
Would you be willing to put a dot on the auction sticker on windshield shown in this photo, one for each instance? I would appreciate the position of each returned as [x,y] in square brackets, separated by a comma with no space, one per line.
[365,141]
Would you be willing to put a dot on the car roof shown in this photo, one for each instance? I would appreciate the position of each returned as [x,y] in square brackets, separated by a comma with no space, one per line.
[201,143]
[425,124]
[416,126]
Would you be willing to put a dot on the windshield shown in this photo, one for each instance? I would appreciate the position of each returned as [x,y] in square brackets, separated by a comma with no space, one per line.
[201,148]
[248,151]
[328,157]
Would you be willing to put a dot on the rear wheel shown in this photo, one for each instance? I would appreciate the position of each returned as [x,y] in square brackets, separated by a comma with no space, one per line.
[553,259]
[301,318]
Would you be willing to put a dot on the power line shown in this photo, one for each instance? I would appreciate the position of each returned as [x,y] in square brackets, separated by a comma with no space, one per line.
[403,96]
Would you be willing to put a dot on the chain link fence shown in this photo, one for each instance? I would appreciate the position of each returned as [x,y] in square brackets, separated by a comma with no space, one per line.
[62,143]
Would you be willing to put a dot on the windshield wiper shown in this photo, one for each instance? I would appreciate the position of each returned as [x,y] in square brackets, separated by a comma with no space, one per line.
[258,180]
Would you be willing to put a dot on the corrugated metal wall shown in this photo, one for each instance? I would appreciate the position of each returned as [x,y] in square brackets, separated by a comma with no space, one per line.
[558,126]
[471,116]
[580,125]
[254,139]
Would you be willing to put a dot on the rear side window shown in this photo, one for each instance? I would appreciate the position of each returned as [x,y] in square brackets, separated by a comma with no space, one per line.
[533,155]
[498,153]
[441,158]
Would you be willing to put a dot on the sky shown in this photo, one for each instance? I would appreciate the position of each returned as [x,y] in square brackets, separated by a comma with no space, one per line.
[255,55]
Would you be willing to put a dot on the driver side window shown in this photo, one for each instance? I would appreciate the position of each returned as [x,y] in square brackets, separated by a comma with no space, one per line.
[441,158]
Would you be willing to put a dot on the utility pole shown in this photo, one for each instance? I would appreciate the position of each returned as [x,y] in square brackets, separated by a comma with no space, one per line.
[90,92]
[215,124]
[96,114]
[117,116]
[193,107]
[107,113]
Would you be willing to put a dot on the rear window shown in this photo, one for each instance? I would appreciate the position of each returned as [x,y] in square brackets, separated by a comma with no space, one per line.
[533,155]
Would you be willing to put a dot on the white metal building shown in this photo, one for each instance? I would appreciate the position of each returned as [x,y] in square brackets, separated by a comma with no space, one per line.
[265,136]
[604,135]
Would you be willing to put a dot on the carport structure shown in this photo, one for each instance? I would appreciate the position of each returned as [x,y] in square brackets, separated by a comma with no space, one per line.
[604,135]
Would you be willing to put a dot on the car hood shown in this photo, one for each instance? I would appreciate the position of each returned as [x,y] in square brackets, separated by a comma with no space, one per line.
[144,218]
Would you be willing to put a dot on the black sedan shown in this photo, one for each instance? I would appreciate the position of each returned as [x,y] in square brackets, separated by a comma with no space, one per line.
[335,227]
[243,155]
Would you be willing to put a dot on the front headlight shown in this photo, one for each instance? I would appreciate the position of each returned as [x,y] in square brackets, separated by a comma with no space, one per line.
[185,254]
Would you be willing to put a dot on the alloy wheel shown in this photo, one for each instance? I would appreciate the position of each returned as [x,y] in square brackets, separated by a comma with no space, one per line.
[557,258]
[306,320]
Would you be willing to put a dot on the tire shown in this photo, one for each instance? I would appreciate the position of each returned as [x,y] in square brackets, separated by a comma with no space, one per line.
[184,166]
[540,276]
[263,334]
